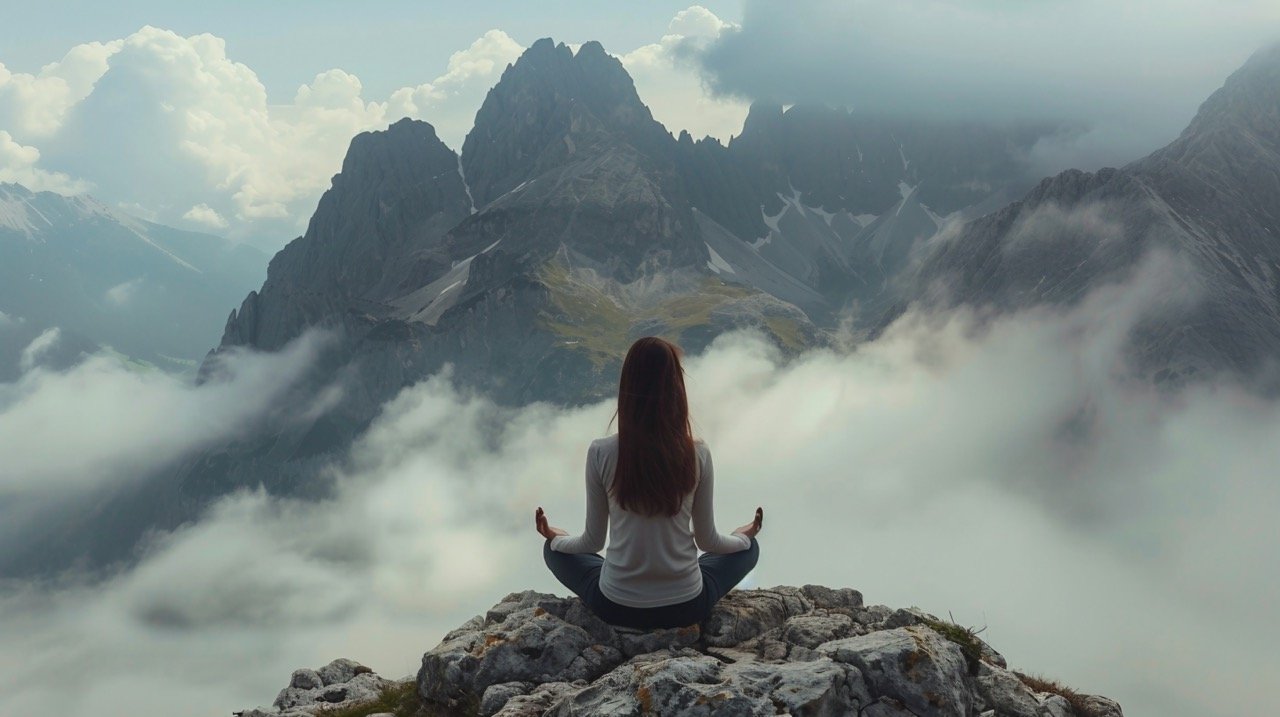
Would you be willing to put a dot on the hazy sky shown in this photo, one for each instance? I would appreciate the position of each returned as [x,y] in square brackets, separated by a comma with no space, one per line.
[388,45]
[232,117]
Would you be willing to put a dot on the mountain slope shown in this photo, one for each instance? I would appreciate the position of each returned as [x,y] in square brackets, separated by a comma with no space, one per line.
[572,224]
[1211,199]
[104,278]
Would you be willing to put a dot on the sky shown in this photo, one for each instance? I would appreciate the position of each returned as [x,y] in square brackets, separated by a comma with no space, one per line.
[231,118]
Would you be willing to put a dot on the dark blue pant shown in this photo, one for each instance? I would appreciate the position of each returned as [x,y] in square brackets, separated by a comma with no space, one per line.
[580,572]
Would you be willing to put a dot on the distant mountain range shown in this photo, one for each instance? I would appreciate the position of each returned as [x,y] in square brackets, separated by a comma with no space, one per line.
[572,222]
[1211,198]
[106,279]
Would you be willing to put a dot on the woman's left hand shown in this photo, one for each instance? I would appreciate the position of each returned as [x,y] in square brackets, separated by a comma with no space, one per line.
[544,528]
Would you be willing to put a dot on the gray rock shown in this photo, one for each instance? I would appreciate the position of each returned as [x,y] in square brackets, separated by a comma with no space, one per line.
[360,688]
[538,701]
[887,707]
[802,651]
[1003,691]
[744,614]
[341,683]
[807,652]
[817,689]
[1102,706]
[524,639]
[636,642]
[496,696]
[813,630]
[341,670]
[305,679]
[1055,706]
[913,665]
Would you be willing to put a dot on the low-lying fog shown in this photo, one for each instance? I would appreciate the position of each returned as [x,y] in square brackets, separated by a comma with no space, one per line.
[1114,539]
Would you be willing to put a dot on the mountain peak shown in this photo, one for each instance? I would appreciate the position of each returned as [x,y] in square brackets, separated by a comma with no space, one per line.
[548,95]
[399,187]
[590,50]
[1249,102]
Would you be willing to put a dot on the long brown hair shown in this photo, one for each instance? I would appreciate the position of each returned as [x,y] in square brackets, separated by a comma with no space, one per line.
[656,460]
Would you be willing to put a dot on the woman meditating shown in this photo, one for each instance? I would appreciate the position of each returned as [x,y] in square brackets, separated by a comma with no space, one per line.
[647,484]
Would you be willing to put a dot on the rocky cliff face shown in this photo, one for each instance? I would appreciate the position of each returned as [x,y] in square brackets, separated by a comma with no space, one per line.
[1211,199]
[799,651]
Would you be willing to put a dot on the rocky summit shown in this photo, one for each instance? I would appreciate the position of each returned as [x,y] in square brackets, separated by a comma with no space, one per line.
[808,650]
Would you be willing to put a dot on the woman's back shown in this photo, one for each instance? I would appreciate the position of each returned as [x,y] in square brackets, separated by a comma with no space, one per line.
[652,575]
[652,559]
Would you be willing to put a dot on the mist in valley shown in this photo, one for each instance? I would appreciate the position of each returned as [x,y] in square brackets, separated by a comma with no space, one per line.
[1003,472]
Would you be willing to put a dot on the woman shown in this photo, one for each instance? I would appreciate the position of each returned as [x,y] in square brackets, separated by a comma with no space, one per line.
[646,484]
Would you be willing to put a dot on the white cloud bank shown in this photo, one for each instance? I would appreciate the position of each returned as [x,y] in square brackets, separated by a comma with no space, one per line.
[174,129]
[668,78]
[205,215]
[99,423]
[18,165]
[1107,536]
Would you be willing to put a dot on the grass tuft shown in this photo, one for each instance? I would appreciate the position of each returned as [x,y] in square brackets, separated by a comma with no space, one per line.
[966,638]
[1077,701]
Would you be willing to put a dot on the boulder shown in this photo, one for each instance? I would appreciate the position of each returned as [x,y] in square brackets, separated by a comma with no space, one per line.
[341,683]
[808,650]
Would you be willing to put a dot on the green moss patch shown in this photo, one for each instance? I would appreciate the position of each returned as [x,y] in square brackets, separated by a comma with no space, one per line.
[591,321]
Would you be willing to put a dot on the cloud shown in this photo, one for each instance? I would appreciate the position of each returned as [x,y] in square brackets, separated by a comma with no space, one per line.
[40,346]
[9,321]
[449,102]
[18,165]
[100,423]
[185,122]
[121,293]
[1090,223]
[206,215]
[35,105]
[176,129]
[667,78]
[1106,535]
[1128,76]
[169,126]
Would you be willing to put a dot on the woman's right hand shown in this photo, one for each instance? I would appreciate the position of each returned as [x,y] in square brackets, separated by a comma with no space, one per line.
[545,528]
[750,529]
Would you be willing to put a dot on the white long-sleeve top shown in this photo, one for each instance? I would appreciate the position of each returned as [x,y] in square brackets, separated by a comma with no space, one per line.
[652,560]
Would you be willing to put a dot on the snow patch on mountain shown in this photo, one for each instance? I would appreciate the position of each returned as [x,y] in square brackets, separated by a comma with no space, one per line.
[717,262]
